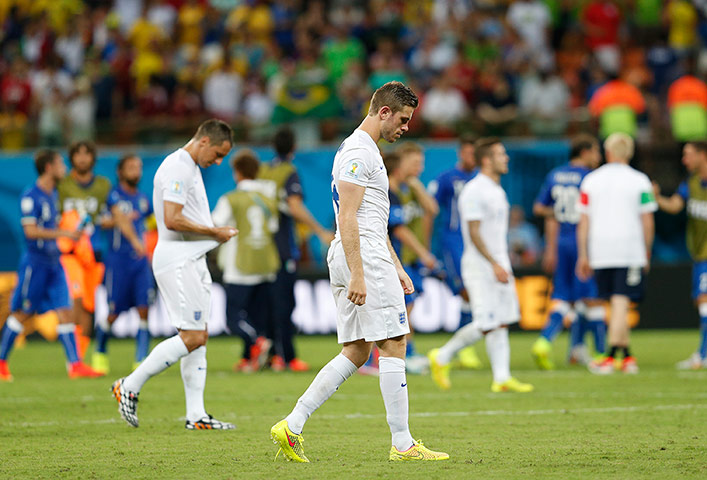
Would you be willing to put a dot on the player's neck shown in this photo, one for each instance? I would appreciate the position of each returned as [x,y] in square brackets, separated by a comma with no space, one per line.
[463,168]
[46,183]
[190,148]
[82,177]
[371,126]
[126,187]
[492,175]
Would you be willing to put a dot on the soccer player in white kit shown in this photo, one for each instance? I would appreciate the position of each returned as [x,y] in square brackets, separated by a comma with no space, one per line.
[186,233]
[367,280]
[486,272]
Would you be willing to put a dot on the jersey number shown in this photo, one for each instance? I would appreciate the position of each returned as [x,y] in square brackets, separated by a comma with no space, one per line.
[256,218]
[566,198]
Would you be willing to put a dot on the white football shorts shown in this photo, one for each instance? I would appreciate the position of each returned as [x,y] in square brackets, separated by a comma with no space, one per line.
[493,304]
[186,291]
[383,315]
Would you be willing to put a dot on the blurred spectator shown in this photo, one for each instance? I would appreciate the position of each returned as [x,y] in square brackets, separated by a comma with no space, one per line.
[162,14]
[386,64]
[340,51]
[544,100]
[601,20]
[617,104]
[523,239]
[531,20]
[222,92]
[153,101]
[15,88]
[127,12]
[51,118]
[497,105]
[257,105]
[189,23]
[72,44]
[81,112]
[13,127]
[186,103]
[682,22]
[662,61]
[687,101]
[647,15]
[432,56]
[52,81]
[444,105]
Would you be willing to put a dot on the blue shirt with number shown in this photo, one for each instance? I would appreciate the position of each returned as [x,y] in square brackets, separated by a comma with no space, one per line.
[42,209]
[135,206]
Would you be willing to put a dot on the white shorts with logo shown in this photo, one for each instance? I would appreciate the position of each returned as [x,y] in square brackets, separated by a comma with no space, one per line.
[493,304]
[186,290]
[383,315]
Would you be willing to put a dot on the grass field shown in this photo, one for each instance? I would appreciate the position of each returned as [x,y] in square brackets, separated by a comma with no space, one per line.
[575,425]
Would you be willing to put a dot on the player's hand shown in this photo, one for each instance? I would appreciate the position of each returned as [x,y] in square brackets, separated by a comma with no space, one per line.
[224,234]
[549,262]
[656,189]
[583,270]
[139,249]
[501,274]
[429,261]
[326,236]
[405,281]
[357,290]
[72,234]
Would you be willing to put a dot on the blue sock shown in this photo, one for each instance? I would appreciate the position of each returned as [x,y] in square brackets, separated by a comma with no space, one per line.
[67,337]
[577,330]
[553,326]
[142,342]
[598,329]
[12,328]
[703,337]
[410,349]
[102,337]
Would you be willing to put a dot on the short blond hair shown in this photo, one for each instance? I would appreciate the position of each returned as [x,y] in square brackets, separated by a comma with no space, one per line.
[620,145]
[407,148]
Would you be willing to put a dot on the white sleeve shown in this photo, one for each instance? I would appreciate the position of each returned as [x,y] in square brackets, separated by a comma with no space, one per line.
[471,205]
[223,214]
[175,185]
[355,167]
[648,203]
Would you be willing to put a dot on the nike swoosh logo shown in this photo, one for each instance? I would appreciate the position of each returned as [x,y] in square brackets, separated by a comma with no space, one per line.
[289,440]
[403,384]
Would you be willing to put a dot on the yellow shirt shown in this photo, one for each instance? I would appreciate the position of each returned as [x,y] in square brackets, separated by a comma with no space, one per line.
[189,20]
[143,33]
[683,23]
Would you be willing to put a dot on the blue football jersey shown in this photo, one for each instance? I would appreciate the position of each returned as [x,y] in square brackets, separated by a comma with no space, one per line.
[446,189]
[136,206]
[42,209]
[561,192]
[395,218]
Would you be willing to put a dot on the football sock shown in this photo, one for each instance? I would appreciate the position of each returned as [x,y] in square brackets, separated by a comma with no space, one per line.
[612,351]
[67,337]
[626,352]
[703,330]
[465,336]
[371,362]
[554,323]
[193,366]
[577,330]
[499,351]
[597,325]
[465,317]
[142,341]
[394,389]
[13,327]
[164,355]
[327,381]
[102,337]
[410,350]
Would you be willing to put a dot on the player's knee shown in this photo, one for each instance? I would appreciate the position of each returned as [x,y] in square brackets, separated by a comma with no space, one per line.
[561,307]
[357,352]
[193,339]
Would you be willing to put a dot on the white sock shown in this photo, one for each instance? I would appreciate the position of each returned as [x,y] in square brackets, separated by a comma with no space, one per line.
[499,352]
[14,324]
[465,336]
[322,387]
[102,321]
[193,368]
[394,388]
[142,325]
[164,355]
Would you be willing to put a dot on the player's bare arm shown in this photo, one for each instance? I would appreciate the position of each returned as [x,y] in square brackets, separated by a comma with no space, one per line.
[673,204]
[475,235]
[584,271]
[648,223]
[549,261]
[35,232]
[427,201]
[175,220]
[405,235]
[124,223]
[301,214]
[350,198]
[404,278]
[540,210]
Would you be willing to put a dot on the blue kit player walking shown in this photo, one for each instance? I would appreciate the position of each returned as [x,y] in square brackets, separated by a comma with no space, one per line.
[128,277]
[446,189]
[41,285]
[558,203]
[692,195]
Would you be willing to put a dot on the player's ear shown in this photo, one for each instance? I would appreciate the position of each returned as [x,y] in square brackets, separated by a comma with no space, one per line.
[385,112]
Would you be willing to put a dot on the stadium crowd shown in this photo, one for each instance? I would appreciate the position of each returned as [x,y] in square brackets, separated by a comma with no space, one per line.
[149,70]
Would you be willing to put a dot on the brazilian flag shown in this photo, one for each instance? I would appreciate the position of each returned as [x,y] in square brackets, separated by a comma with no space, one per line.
[307,94]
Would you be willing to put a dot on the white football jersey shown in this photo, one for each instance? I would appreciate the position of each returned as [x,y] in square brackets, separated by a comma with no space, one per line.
[485,200]
[359,161]
[178,180]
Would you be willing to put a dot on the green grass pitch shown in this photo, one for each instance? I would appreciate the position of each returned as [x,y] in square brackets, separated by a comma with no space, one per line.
[575,425]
